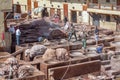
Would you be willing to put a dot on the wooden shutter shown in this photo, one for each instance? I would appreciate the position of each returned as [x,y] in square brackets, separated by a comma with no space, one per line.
[65,6]
[59,13]
[52,11]
[18,8]
[95,1]
[35,4]
[29,5]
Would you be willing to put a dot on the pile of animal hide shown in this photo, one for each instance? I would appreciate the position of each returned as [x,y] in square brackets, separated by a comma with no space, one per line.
[35,51]
[25,70]
[40,28]
[60,54]
[13,70]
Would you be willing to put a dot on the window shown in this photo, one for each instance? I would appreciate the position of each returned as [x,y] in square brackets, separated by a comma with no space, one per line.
[107,17]
[108,1]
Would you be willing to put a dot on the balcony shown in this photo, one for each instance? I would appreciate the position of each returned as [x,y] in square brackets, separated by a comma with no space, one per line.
[104,8]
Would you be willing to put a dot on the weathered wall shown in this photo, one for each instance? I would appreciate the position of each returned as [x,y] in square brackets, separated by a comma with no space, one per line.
[85,17]
[77,7]
[1,22]
[23,4]
[4,5]
[104,2]
[108,25]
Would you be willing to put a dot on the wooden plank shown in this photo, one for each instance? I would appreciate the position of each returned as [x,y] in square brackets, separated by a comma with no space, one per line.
[45,66]
[36,76]
[74,70]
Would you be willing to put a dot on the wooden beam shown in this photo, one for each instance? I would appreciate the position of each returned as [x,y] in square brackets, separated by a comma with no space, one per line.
[74,70]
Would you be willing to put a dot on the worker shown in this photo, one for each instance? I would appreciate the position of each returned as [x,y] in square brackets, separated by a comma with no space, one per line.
[29,15]
[40,39]
[96,33]
[99,48]
[66,27]
[65,20]
[56,18]
[12,29]
[84,36]
[3,39]
[72,32]
[18,33]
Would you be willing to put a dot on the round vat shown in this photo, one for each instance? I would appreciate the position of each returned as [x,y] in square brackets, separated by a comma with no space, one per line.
[117,44]
[76,54]
[51,62]
[47,44]
[107,38]
[92,54]
[91,48]
[90,41]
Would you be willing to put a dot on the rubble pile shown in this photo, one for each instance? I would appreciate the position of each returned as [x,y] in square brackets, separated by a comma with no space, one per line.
[35,50]
[40,28]
[60,54]
[11,69]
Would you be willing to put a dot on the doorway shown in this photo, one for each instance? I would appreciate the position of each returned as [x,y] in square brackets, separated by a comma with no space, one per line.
[95,1]
[52,12]
[59,13]
[35,4]
[74,16]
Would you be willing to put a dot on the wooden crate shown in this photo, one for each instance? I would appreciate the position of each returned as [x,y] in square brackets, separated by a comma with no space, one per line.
[45,66]
[74,70]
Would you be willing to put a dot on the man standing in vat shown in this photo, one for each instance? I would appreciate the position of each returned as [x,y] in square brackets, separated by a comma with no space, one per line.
[72,32]
[96,34]
[84,39]
[18,33]
[99,48]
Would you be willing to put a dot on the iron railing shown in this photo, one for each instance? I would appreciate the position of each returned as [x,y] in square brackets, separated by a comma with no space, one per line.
[104,6]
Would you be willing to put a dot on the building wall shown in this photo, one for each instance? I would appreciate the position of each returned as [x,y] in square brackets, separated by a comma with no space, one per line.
[76,6]
[5,5]
[55,4]
[108,25]
[23,4]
